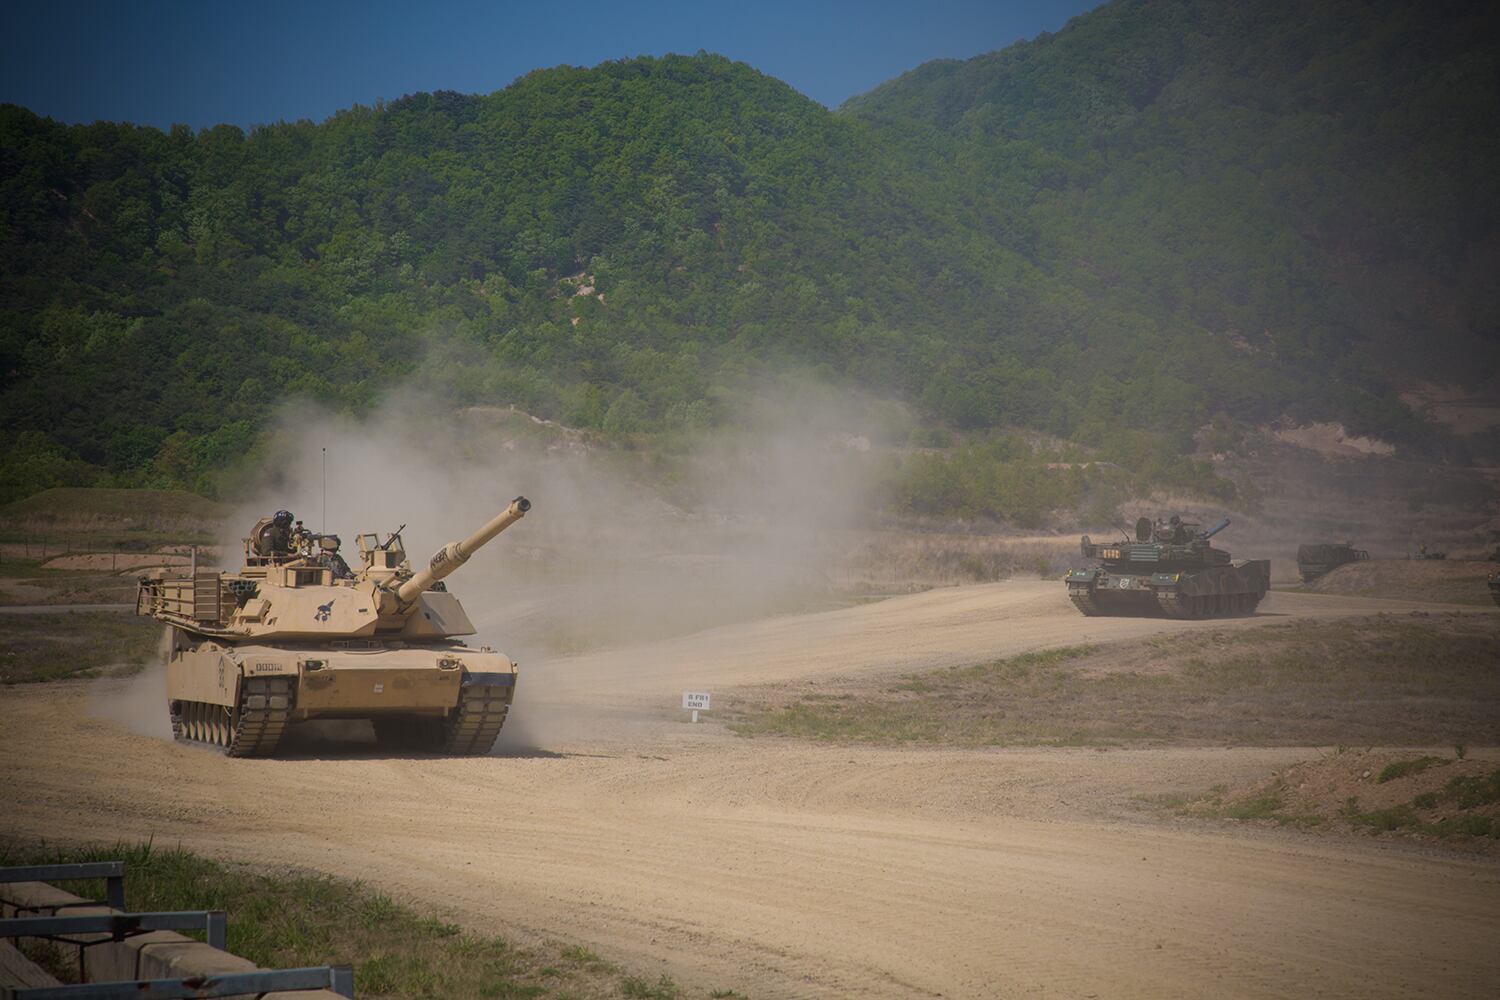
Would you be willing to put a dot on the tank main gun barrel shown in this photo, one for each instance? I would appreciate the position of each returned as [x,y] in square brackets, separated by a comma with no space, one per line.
[1211,532]
[455,554]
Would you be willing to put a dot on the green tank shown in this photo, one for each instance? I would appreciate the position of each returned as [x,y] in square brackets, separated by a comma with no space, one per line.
[1169,568]
[1320,558]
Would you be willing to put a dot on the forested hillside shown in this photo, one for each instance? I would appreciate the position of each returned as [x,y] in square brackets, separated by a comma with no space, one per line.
[1171,210]
[1314,180]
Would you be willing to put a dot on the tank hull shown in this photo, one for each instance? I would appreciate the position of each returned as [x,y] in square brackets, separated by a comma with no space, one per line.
[241,698]
[1230,590]
[1317,560]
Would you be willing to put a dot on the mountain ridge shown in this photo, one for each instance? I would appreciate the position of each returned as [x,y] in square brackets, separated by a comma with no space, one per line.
[994,263]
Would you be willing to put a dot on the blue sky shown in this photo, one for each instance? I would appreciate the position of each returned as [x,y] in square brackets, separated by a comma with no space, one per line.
[203,63]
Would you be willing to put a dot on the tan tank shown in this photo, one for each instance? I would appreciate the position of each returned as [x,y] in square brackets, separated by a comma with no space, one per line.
[297,635]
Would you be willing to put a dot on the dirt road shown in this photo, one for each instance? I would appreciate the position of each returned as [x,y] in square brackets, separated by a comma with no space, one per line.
[783,870]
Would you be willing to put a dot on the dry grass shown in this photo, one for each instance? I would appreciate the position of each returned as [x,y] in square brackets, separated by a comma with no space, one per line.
[885,560]
[28,582]
[109,516]
[1412,680]
[74,644]
[1445,581]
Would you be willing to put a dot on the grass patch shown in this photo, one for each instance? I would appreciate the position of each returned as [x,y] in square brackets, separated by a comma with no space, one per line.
[292,919]
[37,571]
[48,647]
[107,517]
[1401,768]
[640,989]
[1262,807]
[1462,808]
[980,705]
[1466,793]
[27,581]
[1415,680]
[1470,792]
[1268,806]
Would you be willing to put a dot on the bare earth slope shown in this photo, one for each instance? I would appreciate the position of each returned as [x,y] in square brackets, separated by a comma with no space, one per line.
[784,870]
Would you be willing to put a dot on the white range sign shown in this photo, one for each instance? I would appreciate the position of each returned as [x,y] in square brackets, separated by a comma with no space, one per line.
[696,700]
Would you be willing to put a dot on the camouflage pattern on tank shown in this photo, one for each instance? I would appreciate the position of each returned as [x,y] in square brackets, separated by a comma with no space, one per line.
[296,635]
[1170,569]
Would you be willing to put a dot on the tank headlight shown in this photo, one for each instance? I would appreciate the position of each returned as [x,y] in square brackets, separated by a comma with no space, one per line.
[448,663]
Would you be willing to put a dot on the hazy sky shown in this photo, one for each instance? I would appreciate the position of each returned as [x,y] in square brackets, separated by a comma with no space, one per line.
[247,63]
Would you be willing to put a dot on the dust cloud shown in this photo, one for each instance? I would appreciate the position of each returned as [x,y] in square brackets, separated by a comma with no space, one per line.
[620,547]
[139,704]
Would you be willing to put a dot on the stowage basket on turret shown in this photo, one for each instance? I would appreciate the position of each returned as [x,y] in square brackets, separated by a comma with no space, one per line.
[1171,569]
[297,634]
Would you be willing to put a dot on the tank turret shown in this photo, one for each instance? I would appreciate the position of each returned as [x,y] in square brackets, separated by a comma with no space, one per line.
[296,634]
[1170,567]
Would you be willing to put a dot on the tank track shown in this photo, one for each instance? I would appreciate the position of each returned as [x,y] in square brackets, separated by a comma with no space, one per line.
[469,730]
[1175,605]
[472,728]
[1084,601]
[253,731]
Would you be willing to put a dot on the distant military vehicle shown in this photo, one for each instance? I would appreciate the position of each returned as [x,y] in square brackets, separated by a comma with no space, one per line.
[1494,582]
[297,635]
[1423,553]
[1320,558]
[1171,569]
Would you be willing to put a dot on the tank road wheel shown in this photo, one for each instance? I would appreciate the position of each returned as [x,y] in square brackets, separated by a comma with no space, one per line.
[265,704]
[471,728]
[223,725]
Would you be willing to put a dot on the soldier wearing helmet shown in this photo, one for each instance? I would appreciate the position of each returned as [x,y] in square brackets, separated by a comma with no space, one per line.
[275,538]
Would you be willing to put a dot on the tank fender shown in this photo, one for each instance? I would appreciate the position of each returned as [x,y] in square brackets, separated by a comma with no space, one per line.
[489,678]
[1088,575]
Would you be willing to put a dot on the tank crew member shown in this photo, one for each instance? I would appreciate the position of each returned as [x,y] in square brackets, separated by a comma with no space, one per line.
[329,556]
[275,539]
